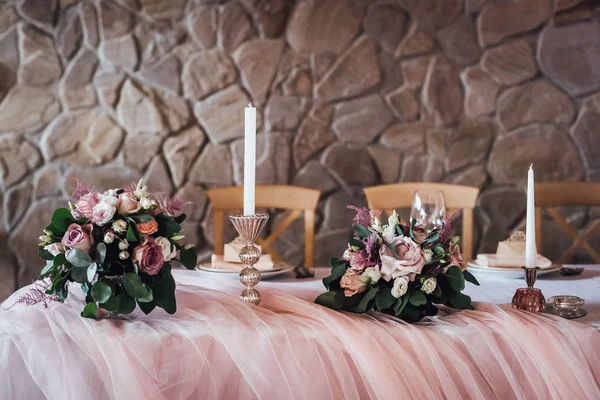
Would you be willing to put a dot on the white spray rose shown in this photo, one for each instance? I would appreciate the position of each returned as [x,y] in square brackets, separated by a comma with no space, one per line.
[119,226]
[123,244]
[371,275]
[393,220]
[141,190]
[110,197]
[169,251]
[389,232]
[429,285]
[428,256]
[400,286]
[146,203]
[109,237]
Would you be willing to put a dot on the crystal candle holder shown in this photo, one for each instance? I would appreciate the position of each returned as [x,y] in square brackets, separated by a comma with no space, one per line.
[529,298]
[249,227]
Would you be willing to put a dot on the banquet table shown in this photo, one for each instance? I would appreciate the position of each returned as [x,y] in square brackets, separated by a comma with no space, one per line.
[215,347]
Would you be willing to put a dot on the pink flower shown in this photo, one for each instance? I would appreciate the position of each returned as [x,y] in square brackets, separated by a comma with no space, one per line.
[55,248]
[455,257]
[148,256]
[79,237]
[419,233]
[128,204]
[409,263]
[103,213]
[169,205]
[352,283]
[84,207]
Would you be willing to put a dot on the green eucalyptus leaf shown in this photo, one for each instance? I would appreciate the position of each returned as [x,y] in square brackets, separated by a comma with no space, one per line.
[336,273]
[148,297]
[180,218]
[59,260]
[126,304]
[358,243]
[134,286]
[54,230]
[91,271]
[61,219]
[142,218]
[417,298]
[112,304]
[101,291]
[49,266]
[455,278]
[164,290]
[461,301]
[131,235]
[367,301]
[361,231]
[90,310]
[79,275]
[401,304]
[384,299]
[100,253]
[78,258]
[328,299]
[411,313]
[439,250]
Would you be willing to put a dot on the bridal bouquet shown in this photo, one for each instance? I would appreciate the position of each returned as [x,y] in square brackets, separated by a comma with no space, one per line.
[119,245]
[399,269]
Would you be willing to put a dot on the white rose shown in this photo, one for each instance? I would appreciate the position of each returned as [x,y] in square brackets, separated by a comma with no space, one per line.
[109,237]
[393,220]
[428,256]
[141,190]
[146,203]
[400,286]
[347,254]
[371,274]
[389,232]
[103,213]
[123,244]
[429,285]
[110,197]
[55,248]
[169,251]
[119,226]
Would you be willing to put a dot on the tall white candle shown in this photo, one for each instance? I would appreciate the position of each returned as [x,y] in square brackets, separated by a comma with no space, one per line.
[530,248]
[249,159]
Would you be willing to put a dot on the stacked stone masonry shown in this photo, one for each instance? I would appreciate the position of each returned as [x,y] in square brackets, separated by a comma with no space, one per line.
[349,93]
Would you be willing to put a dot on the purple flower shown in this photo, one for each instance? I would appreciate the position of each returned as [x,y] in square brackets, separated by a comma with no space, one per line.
[169,205]
[363,216]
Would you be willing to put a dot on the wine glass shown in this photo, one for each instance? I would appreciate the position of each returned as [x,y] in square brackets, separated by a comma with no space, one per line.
[429,209]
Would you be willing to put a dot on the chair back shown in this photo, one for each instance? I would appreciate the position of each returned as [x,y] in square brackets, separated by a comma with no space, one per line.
[549,196]
[297,200]
[400,195]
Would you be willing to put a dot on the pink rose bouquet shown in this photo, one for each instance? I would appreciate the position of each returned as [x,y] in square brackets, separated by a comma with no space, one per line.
[399,269]
[119,246]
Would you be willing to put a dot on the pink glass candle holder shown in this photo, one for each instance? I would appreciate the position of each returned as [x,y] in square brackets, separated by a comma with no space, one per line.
[529,298]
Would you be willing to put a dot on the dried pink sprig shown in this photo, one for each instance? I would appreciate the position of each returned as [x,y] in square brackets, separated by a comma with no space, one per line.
[81,189]
[37,294]
[363,216]
[171,206]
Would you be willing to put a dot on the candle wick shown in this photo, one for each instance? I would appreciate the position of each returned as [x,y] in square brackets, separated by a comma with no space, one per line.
[531,166]
[250,105]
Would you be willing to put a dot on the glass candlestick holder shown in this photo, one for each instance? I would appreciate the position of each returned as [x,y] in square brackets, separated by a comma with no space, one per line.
[249,227]
[529,298]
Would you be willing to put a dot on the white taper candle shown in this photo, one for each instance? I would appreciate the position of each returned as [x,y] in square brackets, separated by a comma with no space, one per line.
[530,247]
[249,159]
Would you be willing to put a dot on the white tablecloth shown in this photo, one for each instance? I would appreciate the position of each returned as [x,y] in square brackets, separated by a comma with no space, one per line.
[498,290]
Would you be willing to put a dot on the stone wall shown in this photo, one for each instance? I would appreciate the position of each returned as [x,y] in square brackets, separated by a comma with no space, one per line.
[350,93]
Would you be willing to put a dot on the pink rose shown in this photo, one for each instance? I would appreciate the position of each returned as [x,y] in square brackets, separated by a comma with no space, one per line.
[352,283]
[55,248]
[128,204]
[79,237]
[419,233]
[409,263]
[455,257]
[84,207]
[148,256]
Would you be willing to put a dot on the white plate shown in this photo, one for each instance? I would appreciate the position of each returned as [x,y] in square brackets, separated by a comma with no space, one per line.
[517,273]
[280,268]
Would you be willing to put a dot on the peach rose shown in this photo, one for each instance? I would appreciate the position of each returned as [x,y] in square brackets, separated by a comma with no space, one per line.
[456,257]
[409,263]
[352,283]
[128,204]
[147,228]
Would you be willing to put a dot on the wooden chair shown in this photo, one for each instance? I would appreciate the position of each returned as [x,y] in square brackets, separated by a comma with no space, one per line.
[400,195]
[548,196]
[297,200]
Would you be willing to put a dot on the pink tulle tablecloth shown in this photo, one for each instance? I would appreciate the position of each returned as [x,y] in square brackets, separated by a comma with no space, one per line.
[215,347]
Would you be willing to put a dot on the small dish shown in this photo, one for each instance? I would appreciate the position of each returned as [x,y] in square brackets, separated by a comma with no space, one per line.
[549,309]
[566,305]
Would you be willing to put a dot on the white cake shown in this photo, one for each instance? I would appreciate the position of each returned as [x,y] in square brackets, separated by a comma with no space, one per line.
[232,250]
[264,264]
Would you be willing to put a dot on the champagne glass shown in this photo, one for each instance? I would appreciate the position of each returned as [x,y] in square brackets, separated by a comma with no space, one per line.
[429,209]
